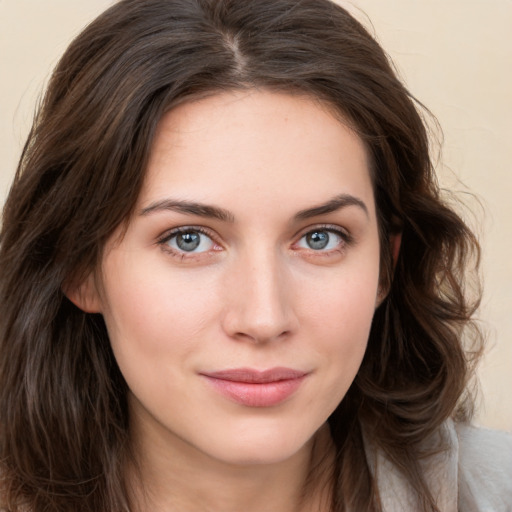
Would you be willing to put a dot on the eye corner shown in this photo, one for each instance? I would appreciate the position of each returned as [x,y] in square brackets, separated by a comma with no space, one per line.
[323,239]
[183,242]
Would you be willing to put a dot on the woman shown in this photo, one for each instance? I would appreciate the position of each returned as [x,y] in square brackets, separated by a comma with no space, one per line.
[228,280]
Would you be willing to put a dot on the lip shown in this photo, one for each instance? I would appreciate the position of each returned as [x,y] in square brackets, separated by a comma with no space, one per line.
[256,388]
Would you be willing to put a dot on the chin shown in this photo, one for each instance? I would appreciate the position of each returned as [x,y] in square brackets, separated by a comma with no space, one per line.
[262,448]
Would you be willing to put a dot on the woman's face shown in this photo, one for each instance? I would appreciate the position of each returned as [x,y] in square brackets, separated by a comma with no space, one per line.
[240,298]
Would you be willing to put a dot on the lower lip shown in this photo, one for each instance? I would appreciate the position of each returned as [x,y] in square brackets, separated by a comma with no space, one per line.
[265,394]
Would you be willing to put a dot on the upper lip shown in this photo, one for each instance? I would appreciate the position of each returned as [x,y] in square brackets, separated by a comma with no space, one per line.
[254,376]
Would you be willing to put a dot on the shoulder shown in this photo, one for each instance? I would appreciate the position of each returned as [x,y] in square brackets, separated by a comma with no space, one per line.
[470,470]
[485,469]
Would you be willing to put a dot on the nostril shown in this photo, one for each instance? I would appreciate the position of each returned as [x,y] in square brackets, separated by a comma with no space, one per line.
[261,336]
[245,324]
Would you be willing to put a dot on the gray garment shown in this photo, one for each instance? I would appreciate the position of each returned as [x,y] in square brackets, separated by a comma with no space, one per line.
[473,475]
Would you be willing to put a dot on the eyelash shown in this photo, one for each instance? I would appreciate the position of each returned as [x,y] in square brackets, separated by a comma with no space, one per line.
[346,238]
[164,240]
[169,235]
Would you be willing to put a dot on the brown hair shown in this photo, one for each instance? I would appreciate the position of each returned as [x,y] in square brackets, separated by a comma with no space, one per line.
[63,411]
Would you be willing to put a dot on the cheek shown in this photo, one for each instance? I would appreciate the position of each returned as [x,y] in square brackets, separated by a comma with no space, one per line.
[339,318]
[154,332]
[345,303]
[154,314]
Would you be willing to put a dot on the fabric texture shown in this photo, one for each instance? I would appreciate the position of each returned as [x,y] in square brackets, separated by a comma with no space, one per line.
[473,475]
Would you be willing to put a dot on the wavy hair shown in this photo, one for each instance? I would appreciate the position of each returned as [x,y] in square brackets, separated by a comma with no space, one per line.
[63,410]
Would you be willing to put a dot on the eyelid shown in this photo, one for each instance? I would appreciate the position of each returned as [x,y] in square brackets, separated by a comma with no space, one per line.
[343,232]
[164,238]
[169,233]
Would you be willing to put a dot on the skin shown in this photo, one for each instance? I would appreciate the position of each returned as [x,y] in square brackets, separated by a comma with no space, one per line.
[254,294]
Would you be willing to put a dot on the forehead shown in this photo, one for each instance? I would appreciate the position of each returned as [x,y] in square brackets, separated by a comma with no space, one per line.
[273,146]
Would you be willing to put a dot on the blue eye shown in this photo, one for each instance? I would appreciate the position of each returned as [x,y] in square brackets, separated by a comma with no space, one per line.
[321,240]
[189,240]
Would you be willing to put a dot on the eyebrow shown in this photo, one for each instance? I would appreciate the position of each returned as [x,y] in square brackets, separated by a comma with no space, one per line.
[189,207]
[203,210]
[333,205]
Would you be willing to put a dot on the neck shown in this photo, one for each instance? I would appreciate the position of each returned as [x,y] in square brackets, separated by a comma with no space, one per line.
[181,479]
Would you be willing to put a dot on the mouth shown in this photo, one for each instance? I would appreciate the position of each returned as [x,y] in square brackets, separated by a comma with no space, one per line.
[256,388]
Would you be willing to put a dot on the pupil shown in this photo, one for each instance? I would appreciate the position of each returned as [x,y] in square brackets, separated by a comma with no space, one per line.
[188,241]
[318,240]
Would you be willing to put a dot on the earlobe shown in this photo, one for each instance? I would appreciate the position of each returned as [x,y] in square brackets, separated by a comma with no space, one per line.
[395,242]
[381,295]
[84,294]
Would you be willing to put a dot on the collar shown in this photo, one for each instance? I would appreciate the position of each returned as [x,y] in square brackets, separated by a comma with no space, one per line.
[440,470]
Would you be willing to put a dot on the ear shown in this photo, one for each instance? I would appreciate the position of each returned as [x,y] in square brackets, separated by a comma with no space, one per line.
[395,241]
[84,294]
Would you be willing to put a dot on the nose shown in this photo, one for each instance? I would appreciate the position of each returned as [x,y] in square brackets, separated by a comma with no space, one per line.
[259,301]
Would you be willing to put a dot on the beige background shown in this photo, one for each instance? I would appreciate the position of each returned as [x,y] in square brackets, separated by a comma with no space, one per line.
[455,56]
